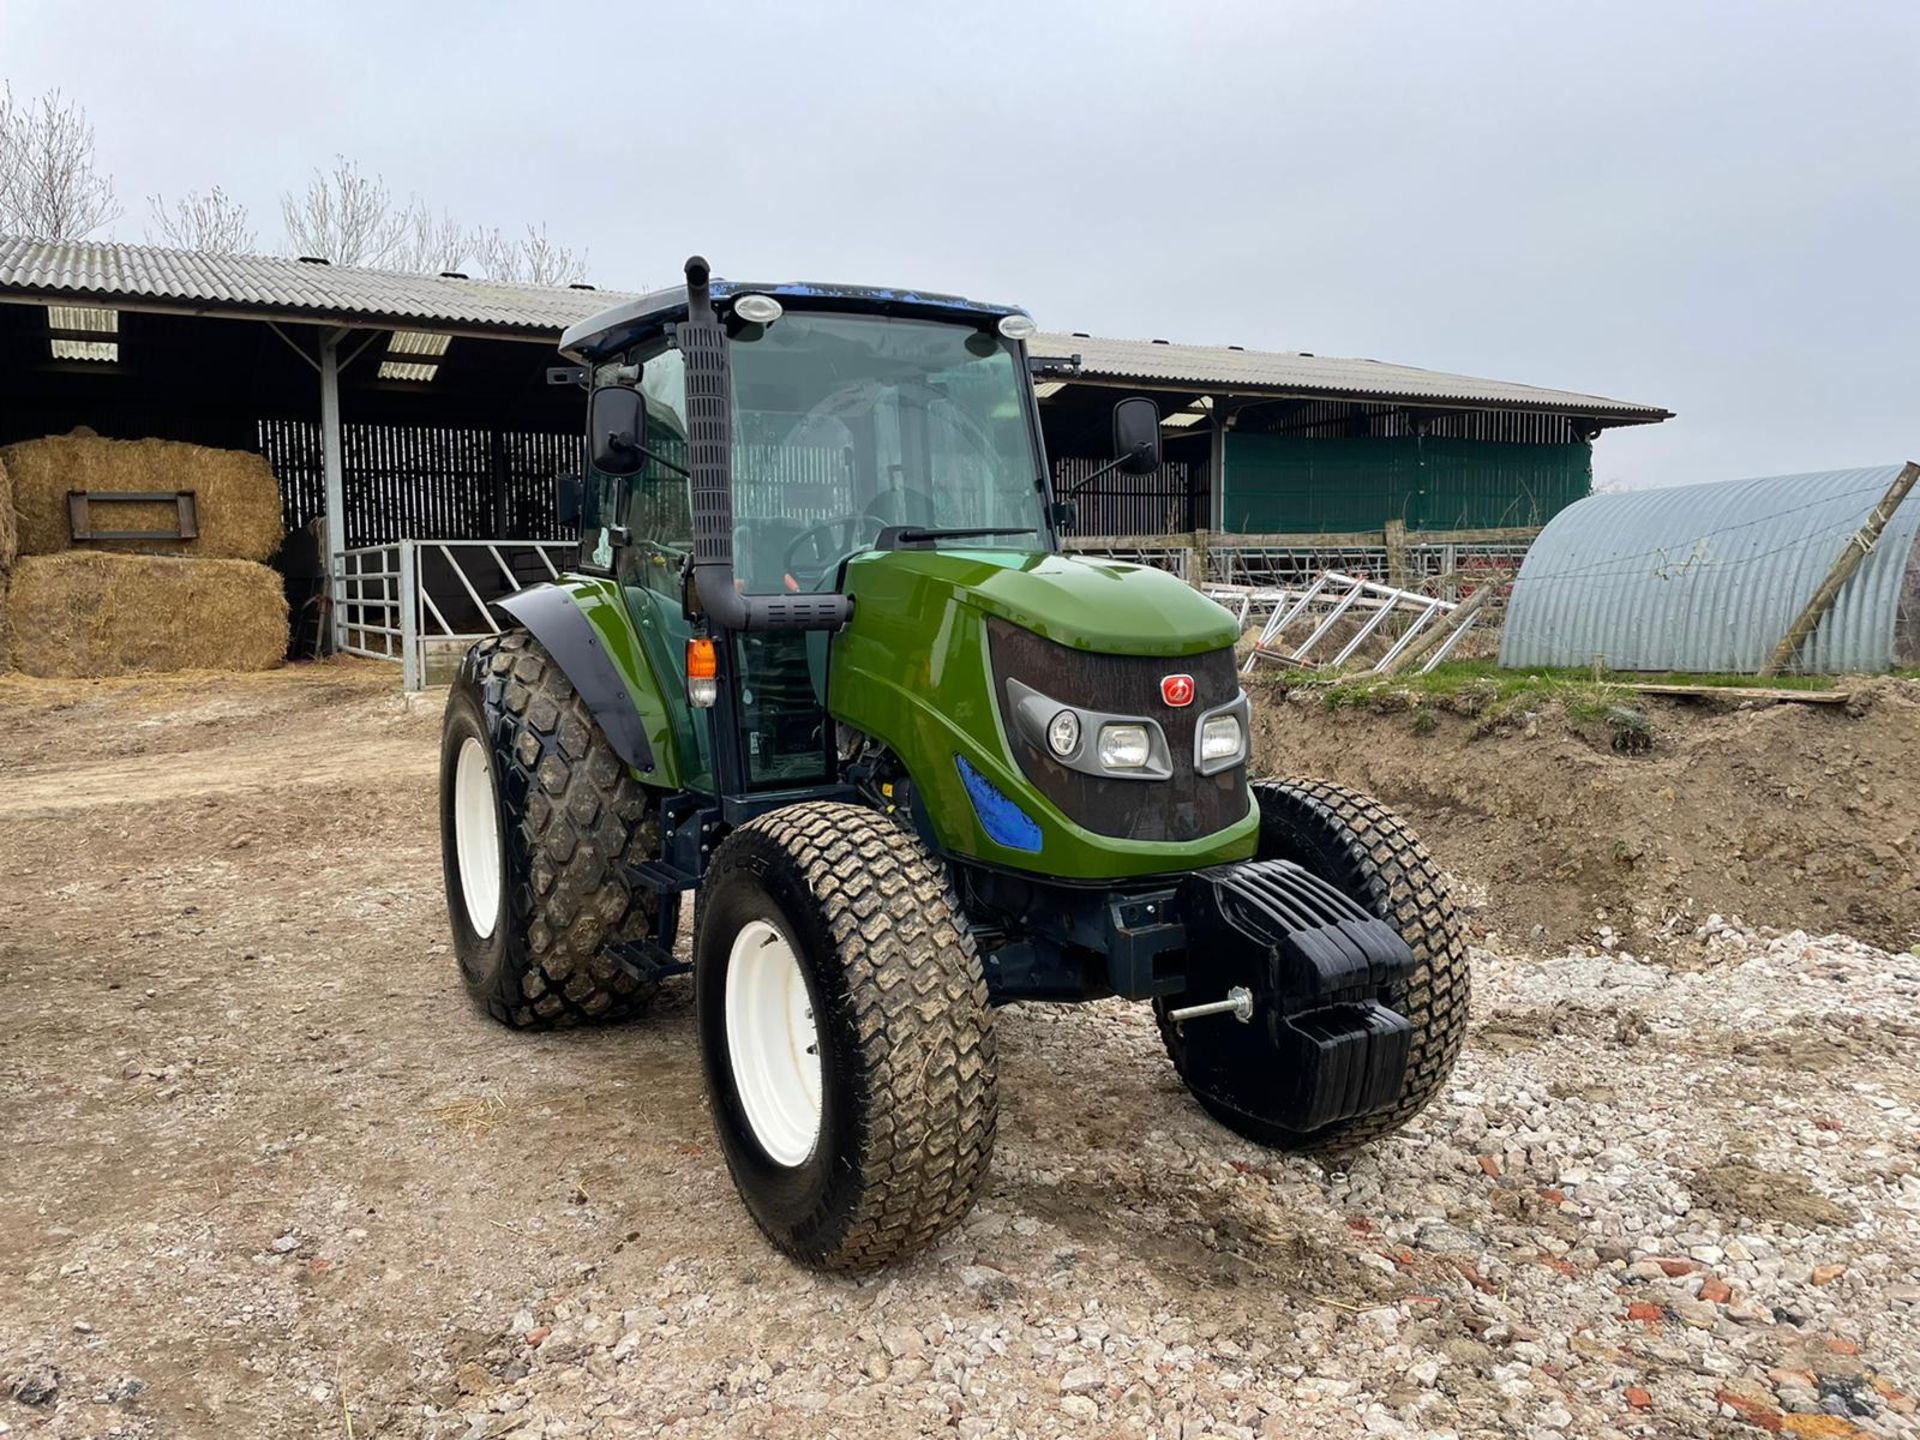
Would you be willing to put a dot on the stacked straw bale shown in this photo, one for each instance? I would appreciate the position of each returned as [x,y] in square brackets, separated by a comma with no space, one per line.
[131,606]
[89,613]
[235,493]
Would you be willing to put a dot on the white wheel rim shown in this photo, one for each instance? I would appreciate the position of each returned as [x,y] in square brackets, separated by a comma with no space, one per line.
[476,836]
[772,1045]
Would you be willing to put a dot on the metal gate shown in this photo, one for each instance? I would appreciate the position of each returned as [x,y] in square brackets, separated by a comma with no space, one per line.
[423,602]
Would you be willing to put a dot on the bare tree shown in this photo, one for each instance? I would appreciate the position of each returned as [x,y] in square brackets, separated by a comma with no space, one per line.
[344,217]
[537,259]
[430,244]
[49,188]
[214,222]
[350,218]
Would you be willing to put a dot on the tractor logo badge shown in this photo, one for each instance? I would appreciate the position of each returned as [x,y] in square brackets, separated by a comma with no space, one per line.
[1177,690]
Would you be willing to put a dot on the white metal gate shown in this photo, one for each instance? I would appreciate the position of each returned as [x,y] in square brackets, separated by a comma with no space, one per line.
[417,601]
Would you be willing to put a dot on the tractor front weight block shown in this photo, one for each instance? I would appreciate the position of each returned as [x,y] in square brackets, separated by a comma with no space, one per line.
[1322,1044]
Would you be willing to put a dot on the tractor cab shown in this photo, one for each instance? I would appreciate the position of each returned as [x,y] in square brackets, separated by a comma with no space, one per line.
[858,420]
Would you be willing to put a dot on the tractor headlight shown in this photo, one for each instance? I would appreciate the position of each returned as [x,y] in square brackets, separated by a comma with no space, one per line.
[1063,734]
[1017,327]
[1124,747]
[1221,739]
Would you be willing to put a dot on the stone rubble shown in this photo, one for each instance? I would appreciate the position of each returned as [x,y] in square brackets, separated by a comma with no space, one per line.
[1651,1202]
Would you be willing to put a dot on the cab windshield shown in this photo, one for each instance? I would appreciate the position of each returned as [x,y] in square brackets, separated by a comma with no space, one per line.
[844,425]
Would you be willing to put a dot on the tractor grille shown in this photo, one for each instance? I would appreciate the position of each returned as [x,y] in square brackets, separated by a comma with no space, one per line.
[1186,806]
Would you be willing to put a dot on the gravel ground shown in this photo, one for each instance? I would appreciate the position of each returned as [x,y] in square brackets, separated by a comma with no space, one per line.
[267,1174]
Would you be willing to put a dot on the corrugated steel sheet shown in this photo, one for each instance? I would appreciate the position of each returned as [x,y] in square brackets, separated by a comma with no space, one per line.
[1708,577]
[1267,371]
[271,287]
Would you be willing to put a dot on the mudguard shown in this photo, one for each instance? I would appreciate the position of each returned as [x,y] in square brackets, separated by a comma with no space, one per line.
[553,619]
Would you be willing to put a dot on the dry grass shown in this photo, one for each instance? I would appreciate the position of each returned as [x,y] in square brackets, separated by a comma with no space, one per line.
[236,495]
[9,525]
[474,1117]
[88,613]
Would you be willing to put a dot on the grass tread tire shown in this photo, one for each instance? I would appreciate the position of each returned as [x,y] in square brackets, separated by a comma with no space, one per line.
[908,1000]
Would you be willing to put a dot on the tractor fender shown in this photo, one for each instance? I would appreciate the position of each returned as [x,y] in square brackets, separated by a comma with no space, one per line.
[550,615]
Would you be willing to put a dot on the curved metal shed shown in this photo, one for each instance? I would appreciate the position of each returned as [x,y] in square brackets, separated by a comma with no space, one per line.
[1708,578]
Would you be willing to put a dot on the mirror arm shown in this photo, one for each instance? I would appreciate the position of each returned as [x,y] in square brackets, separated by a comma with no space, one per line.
[665,464]
[1085,480]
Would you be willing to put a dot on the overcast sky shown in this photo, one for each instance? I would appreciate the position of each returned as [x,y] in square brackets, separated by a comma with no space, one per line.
[1712,207]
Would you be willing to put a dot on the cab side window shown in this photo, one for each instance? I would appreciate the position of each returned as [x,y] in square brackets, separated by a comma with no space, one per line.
[655,505]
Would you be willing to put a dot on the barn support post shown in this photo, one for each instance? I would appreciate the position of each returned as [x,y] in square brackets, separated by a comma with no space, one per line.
[1217,472]
[412,666]
[333,470]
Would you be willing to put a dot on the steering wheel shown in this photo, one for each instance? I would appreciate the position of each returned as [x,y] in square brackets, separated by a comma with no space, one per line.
[818,548]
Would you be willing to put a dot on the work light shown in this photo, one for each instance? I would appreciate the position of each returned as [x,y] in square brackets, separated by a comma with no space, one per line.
[1017,327]
[1124,747]
[1221,738]
[758,309]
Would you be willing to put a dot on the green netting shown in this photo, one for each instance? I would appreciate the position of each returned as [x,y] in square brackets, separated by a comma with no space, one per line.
[1279,483]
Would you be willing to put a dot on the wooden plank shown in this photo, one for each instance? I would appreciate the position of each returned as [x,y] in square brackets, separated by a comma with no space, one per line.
[1858,545]
[1746,692]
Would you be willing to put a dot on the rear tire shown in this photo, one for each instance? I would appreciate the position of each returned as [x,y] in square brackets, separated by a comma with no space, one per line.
[1354,842]
[846,1035]
[538,895]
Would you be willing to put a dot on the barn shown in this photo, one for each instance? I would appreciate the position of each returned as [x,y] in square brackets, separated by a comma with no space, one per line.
[412,426]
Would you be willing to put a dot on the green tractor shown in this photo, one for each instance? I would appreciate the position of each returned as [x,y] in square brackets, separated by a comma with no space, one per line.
[822,666]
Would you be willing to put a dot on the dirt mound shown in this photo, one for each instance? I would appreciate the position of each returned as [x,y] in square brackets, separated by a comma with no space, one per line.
[88,613]
[1792,816]
[236,496]
[1740,1190]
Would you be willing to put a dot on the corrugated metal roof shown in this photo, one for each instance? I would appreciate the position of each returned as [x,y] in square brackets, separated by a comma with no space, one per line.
[1708,577]
[266,286]
[1203,366]
[271,287]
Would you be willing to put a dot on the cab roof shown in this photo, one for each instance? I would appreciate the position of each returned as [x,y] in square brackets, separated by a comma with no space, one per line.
[614,331]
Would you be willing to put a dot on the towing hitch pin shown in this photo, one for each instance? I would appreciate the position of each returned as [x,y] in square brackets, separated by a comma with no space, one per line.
[1239,1004]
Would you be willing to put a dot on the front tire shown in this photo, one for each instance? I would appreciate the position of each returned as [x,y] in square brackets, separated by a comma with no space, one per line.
[538,818]
[1354,842]
[846,1035]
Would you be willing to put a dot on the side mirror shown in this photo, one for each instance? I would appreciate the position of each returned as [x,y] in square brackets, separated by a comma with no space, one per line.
[566,501]
[617,430]
[1136,435]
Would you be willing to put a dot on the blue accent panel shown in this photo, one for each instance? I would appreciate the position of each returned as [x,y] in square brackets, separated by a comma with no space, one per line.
[1005,822]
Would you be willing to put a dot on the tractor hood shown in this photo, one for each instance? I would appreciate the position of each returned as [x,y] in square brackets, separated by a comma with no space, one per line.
[1088,604]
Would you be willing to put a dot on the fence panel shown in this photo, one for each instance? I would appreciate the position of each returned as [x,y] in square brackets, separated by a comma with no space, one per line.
[1162,503]
[407,482]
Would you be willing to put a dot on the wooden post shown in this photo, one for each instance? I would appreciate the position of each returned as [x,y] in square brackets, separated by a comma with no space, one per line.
[1398,568]
[1457,617]
[1851,554]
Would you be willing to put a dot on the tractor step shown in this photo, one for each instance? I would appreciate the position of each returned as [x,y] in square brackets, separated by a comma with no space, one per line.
[661,878]
[646,961]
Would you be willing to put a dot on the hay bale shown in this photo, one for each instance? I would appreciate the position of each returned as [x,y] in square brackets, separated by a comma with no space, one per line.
[235,494]
[9,527]
[88,613]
